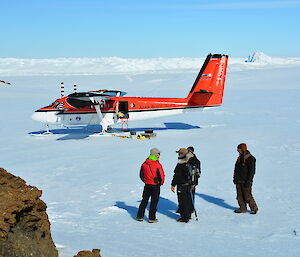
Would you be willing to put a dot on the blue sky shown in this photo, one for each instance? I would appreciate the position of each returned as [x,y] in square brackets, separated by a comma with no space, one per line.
[147,29]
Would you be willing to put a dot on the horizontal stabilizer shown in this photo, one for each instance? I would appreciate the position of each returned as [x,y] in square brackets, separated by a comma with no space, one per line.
[202,91]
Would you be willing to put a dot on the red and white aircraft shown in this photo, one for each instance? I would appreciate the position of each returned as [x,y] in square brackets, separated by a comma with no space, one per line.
[108,107]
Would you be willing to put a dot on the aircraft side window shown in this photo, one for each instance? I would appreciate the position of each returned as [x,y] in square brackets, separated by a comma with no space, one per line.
[59,105]
[102,104]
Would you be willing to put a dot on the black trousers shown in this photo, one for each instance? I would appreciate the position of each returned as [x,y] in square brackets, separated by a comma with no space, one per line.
[152,191]
[192,200]
[184,202]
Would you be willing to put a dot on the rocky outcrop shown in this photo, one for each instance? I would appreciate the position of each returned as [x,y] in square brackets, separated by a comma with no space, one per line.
[93,253]
[24,224]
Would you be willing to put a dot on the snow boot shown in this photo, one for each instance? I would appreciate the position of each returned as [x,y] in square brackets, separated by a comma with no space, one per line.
[181,220]
[153,221]
[239,211]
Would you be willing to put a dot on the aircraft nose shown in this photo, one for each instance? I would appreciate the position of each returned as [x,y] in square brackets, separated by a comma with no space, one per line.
[45,117]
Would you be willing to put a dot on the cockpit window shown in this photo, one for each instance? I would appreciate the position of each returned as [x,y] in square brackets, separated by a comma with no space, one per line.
[110,93]
[78,103]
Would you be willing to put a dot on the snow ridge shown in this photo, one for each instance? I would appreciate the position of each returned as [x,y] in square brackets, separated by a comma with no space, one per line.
[117,65]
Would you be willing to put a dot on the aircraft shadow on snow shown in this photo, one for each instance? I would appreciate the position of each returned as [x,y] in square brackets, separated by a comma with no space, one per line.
[84,132]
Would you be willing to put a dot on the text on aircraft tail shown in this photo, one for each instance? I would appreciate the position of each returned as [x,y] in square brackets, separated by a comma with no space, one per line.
[208,87]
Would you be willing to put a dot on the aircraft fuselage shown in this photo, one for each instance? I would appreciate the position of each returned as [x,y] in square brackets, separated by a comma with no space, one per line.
[108,107]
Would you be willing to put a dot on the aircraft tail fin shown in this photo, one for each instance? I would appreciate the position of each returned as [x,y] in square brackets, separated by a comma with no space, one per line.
[208,87]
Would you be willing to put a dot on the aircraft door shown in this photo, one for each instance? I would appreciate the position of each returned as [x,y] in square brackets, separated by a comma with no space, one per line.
[123,111]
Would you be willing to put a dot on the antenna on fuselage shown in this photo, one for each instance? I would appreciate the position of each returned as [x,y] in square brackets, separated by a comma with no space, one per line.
[62,89]
[75,88]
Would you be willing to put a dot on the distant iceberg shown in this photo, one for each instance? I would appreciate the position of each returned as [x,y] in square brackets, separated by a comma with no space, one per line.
[259,57]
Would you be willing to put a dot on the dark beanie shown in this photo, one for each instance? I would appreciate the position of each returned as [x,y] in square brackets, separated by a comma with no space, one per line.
[243,147]
[191,149]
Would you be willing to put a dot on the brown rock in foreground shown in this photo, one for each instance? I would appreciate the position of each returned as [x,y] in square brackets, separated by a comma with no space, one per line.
[24,224]
[93,253]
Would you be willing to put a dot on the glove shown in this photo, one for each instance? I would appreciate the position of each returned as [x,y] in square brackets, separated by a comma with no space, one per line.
[173,189]
[247,184]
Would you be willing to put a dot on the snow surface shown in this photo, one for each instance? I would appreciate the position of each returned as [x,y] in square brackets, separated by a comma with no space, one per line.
[91,184]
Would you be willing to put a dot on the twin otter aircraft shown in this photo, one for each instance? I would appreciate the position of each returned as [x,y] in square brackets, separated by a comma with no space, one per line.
[108,107]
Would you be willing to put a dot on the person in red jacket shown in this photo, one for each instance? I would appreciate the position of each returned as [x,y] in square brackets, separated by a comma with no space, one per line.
[153,175]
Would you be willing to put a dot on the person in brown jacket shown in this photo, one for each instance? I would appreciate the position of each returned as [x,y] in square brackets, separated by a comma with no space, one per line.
[244,171]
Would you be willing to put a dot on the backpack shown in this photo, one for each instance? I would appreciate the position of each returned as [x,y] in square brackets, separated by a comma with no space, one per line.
[193,174]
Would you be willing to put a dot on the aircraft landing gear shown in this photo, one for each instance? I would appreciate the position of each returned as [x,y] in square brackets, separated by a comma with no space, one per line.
[47,132]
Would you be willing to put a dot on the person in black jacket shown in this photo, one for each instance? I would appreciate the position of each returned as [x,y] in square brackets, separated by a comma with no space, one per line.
[181,179]
[244,171]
